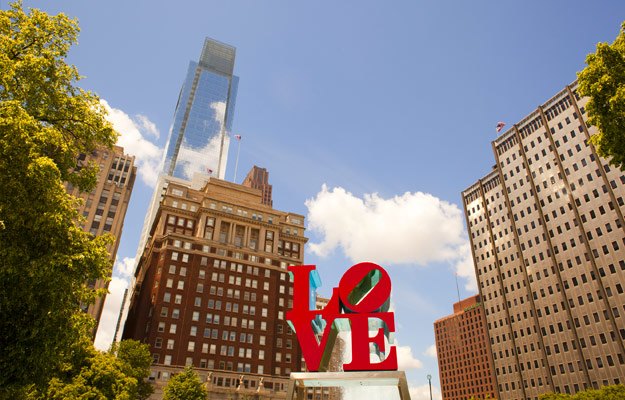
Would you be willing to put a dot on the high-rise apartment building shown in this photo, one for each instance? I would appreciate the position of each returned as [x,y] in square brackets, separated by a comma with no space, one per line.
[105,206]
[465,363]
[200,133]
[258,178]
[212,288]
[548,237]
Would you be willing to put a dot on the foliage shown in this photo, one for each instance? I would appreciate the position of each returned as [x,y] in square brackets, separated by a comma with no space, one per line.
[487,397]
[603,81]
[185,386]
[119,374]
[613,392]
[45,259]
[136,360]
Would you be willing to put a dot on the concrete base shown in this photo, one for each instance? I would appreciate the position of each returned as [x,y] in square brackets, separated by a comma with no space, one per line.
[299,381]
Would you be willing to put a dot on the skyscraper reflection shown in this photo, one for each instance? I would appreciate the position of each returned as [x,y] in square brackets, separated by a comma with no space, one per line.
[199,136]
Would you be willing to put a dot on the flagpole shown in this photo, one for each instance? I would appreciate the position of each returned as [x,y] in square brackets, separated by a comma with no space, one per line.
[236,164]
[457,287]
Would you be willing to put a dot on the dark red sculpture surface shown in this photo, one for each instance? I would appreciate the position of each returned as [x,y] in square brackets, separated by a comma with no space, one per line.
[360,304]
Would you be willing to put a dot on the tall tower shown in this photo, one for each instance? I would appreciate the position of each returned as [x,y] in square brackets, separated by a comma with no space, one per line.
[199,137]
[200,133]
[548,236]
[258,178]
[104,208]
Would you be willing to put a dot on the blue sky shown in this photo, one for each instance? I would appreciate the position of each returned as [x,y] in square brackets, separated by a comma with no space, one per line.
[396,98]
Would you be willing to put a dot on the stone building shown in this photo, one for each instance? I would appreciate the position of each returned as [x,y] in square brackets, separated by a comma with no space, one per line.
[105,206]
[548,236]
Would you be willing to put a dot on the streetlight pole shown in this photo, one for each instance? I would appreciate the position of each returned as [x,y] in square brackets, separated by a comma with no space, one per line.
[430,382]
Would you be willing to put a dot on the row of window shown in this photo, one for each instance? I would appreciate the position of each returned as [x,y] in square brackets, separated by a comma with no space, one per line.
[210,364]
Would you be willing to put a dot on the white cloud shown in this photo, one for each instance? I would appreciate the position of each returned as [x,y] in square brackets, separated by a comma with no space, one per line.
[124,268]
[430,351]
[110,313]
[465,267]
[412,228]
[132,133]
[423,392]
[405,359]
[148,126]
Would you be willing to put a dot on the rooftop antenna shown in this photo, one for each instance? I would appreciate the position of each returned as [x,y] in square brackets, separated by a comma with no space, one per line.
[457,287]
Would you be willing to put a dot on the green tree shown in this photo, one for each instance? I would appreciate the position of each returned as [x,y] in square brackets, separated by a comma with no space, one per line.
[185,386]
[89,374]
[135,359]
[486,397]
[603,81]
[45,259]
[613,392]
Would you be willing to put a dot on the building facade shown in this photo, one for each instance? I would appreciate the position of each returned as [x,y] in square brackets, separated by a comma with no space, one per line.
[199,137]
[258,178]
[548,236]
[212,289]
[465,363]
[104,208]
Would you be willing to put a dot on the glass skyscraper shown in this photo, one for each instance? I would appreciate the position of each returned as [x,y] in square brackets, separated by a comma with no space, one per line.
[199,136]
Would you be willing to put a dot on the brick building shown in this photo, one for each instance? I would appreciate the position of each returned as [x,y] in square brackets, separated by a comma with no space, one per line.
[465,364]
[212,289]
[258,178]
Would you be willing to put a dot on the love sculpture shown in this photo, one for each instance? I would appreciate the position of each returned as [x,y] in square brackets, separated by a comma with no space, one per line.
[360,304]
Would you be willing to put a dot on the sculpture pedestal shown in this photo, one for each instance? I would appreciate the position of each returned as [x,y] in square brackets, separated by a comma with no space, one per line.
[299,381]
